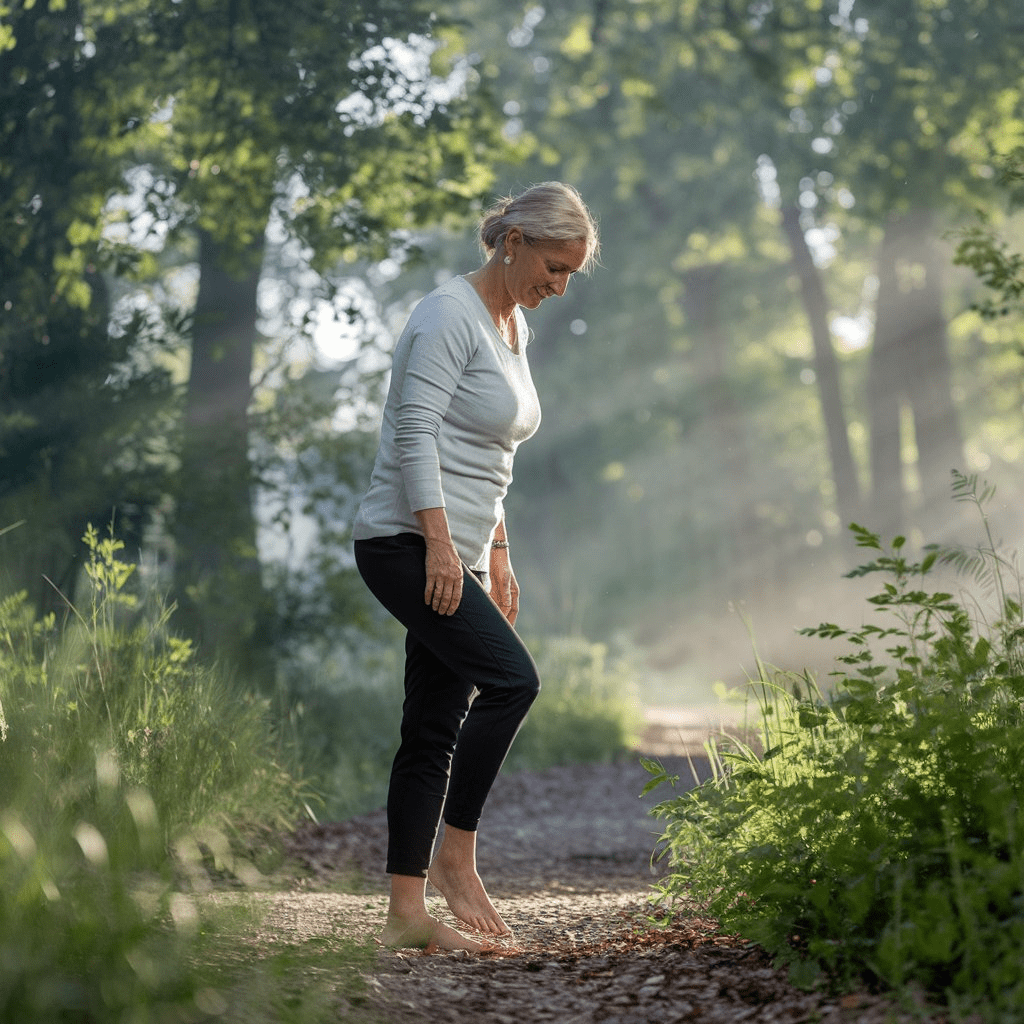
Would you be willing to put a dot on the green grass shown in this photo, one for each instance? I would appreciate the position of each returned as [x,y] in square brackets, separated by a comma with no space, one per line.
[129,771]
[879,839]
[108,697]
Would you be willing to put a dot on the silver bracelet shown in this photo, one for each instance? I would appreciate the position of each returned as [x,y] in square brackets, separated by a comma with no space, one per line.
[499,543]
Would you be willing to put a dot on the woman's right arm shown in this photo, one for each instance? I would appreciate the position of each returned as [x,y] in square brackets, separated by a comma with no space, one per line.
[444,567]
[440,350]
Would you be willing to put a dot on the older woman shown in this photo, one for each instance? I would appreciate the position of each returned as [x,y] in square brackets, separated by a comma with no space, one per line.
[432,546]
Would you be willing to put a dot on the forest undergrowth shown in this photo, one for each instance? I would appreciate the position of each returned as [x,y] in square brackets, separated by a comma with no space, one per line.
[878,835]
[347,732]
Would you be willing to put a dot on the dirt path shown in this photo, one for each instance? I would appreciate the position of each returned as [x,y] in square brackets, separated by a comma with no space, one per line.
[566,854]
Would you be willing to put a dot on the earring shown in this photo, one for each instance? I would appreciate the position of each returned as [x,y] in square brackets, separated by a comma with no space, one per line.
[508,261]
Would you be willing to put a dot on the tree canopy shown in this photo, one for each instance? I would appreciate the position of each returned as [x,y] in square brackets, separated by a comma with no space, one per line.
[194,193]
[140,138]
[776,343]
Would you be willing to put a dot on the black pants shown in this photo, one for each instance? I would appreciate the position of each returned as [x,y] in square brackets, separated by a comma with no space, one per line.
[469,682]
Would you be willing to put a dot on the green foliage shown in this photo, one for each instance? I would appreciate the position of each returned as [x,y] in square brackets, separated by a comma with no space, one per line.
[586,711]
[82,933]
[998,267]
[81,413]
[93,932]
[109,682]
[881,832]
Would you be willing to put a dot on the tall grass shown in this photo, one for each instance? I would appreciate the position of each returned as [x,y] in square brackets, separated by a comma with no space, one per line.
[111,686]
[880,836]
[117,747]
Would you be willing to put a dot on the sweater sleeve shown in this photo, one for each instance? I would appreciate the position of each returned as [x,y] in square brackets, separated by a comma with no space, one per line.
[441,347]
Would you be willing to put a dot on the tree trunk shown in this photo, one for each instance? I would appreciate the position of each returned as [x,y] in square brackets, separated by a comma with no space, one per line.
[722,420]
[885,393]
[910,364]
[826,368]
[217,575]
[940,447]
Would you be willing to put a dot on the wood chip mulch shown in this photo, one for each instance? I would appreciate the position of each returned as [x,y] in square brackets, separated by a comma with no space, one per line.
[566,855]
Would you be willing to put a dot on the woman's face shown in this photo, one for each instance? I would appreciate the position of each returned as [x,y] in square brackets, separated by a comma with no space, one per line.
[540,269]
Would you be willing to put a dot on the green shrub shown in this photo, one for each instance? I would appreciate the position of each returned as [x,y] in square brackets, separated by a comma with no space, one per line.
[111,682]
[83,933]
[86,936]
[881,833]
[345,711]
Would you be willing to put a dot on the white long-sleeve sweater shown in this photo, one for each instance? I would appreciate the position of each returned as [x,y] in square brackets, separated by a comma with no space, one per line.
[459,403]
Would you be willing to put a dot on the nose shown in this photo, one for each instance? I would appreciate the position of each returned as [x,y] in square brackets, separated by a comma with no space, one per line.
[560,284]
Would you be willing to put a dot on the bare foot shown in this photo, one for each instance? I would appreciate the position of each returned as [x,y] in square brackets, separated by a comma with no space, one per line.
[428,934]
[467,899]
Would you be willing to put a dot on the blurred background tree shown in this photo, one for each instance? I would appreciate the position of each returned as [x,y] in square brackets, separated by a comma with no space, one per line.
[141,138]
[82,422]
[217,214]
[777,345]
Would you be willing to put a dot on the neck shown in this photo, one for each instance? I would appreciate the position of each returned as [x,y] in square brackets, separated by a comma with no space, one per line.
[489,282]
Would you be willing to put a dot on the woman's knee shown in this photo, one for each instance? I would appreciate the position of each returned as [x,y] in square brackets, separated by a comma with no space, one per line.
[528,683]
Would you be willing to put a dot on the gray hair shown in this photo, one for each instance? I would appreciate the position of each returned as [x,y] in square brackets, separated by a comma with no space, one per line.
[550,211]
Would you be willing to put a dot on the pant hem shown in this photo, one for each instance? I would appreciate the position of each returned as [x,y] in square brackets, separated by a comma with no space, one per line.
[464,826]
[413,873]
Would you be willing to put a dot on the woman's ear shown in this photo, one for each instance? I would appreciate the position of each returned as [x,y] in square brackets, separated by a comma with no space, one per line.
[513,241]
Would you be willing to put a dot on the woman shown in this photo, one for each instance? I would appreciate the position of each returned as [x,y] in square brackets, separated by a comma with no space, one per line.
[432,547]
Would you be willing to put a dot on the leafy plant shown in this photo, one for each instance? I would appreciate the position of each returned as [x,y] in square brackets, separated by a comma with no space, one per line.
[109,681]
[998,267]
[880,836]
[83,930]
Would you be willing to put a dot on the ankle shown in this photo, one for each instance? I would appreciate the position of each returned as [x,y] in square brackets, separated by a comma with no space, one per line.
[408,918]
[457,851]
[408,898]
[446,859]
[452,869]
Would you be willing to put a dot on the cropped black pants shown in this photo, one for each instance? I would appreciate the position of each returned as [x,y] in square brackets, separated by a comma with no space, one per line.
[469,682]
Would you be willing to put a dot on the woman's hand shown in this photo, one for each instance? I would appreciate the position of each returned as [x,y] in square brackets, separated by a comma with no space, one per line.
[504,588]
[444,567]
[444,577]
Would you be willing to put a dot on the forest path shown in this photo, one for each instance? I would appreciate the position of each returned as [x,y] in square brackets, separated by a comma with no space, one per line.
[566,855]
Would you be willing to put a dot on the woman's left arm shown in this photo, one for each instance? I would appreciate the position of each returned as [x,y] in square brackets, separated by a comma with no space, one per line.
[504,588]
